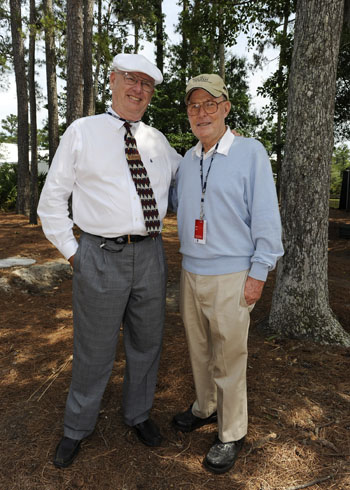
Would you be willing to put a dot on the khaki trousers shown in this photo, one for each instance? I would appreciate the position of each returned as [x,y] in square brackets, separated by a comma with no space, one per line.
[216,319]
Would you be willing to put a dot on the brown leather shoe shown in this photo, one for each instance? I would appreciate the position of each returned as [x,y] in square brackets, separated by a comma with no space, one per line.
[66,451]
[187,422]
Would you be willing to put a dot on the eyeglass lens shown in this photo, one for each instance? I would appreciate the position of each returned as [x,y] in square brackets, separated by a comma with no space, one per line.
[132,80]
[210,107]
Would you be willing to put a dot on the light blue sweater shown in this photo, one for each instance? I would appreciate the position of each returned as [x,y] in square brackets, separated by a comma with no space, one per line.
[241,209]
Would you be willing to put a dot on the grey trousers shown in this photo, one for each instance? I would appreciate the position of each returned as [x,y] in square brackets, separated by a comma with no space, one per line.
[112,285]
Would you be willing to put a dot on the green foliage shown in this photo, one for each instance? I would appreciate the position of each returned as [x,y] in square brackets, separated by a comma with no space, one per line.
[5,45]
[167,111]
[109,38]
[340,161]
[8,186]
[266,133]
[273,27]
[9,132]
[9,129]
[241,116]
[334,203]
[141,15]
[342,100]
[204,25]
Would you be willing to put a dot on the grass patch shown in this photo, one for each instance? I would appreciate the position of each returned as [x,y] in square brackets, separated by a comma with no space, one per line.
[334,203]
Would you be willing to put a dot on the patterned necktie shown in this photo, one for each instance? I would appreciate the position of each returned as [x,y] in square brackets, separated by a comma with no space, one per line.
[142,184]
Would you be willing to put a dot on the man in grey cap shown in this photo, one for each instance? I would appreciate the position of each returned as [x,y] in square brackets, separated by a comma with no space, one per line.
[118,171]
[230,233]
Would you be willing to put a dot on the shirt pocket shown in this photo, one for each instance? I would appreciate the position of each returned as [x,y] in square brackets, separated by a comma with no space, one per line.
[158,170]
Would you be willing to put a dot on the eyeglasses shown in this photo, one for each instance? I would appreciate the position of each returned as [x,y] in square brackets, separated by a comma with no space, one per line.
[131,80]
[210,107]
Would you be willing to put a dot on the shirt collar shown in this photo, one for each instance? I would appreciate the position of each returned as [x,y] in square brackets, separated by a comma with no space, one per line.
[120,121]
[223,148]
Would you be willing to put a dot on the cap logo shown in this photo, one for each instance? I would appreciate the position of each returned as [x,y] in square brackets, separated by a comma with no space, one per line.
[202,78]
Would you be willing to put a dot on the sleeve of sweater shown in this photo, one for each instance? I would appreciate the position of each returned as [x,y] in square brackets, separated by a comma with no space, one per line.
[266,228]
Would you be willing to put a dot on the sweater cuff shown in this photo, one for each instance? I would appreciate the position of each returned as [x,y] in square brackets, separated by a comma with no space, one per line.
[259,271]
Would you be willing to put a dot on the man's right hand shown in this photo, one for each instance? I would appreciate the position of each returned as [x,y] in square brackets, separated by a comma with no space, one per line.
[71,260]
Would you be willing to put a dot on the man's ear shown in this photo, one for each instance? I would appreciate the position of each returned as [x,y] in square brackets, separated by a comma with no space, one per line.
[227,104]
[111,78]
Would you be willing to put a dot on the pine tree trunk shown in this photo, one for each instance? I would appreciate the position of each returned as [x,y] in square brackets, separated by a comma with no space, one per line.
[159,35]
[222,61]
[51,81]
[221,44]
[280,96]
[22,204]
[75,75]
[194,61]
[33,120]
[98,52]
[184,46]
[88,104]
[300,306]
[346,14]
[136,36]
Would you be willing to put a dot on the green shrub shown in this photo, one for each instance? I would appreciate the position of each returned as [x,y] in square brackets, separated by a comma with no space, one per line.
[334,203]
[8,186]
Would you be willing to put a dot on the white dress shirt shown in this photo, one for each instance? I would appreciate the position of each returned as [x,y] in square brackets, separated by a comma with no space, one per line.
[90,164]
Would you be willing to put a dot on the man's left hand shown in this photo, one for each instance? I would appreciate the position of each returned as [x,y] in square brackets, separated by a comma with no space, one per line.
[253,290]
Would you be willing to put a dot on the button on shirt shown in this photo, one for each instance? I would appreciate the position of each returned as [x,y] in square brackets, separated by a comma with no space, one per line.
[90,164]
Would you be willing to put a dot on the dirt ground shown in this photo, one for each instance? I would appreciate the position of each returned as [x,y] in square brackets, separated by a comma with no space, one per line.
[299,394]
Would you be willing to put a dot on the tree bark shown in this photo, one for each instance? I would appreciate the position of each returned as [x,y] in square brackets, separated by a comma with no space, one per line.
[22,204]
[300,306]
[74,60]
[33,120]
[51,80]
[346,23]
[184,45]
[194,62]
[136,36]
[159,35]
[280,104]
[221,44]
[88,103]
[98,52]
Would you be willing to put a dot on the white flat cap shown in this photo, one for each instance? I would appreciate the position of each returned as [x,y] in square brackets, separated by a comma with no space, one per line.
[137,62]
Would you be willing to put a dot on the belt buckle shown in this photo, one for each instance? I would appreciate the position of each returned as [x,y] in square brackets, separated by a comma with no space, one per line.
[129,239]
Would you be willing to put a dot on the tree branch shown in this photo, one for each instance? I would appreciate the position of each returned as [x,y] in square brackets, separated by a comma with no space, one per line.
[309,484]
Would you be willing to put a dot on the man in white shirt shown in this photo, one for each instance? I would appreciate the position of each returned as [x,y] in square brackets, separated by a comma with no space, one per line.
[119,268]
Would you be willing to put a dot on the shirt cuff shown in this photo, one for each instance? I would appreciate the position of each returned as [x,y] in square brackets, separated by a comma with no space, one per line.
[259,271]
[69,248]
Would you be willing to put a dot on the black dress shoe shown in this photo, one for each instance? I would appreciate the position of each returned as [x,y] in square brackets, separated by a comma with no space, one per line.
[148,433]
[187,422]
[222,455]
[66,452]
